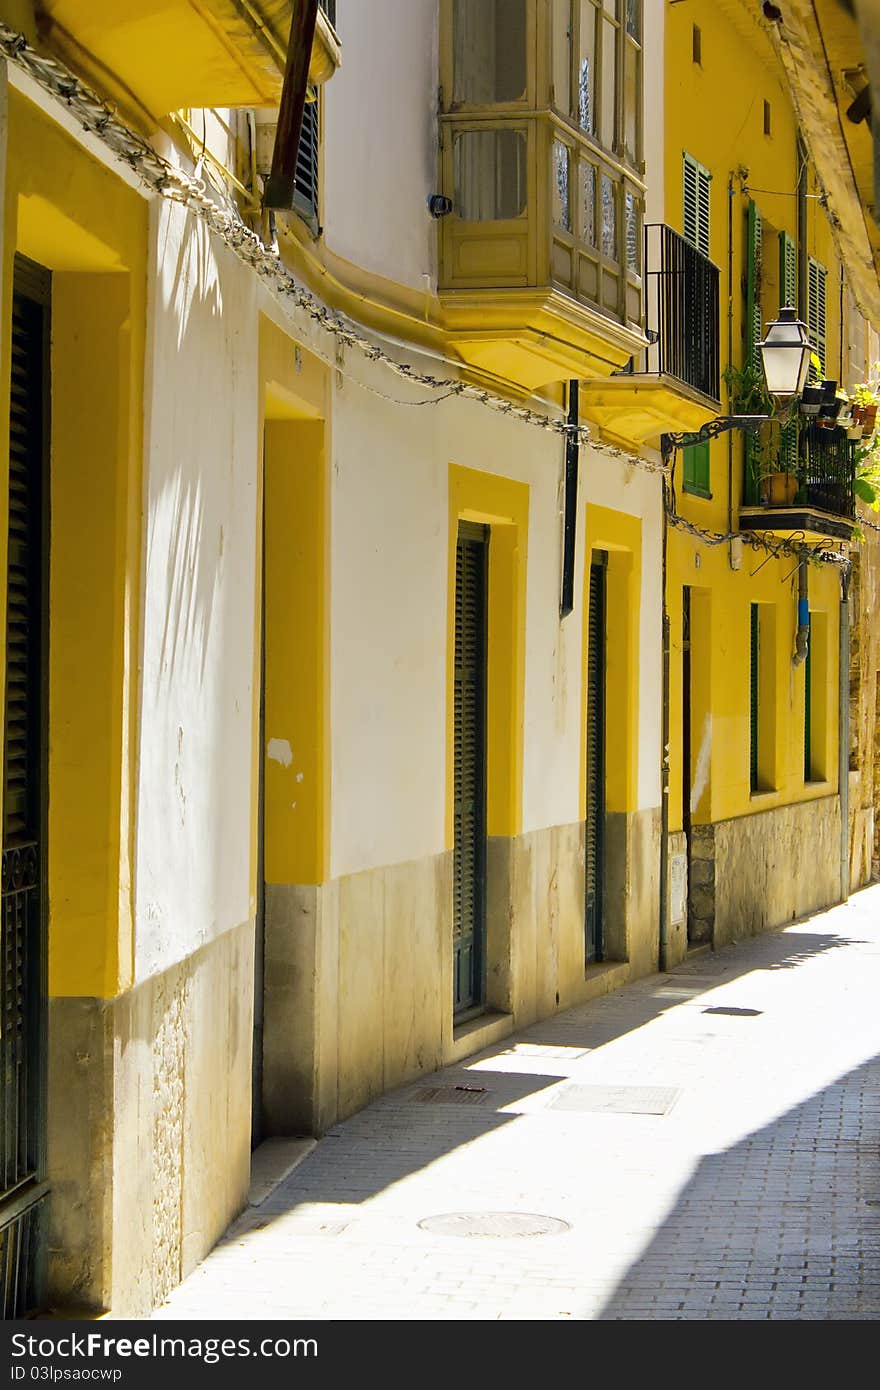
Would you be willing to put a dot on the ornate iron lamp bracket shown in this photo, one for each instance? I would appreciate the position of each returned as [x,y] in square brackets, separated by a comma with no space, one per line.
[720,425]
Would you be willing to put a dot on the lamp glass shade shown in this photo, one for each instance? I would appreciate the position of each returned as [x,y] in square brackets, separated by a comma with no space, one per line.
[785,354]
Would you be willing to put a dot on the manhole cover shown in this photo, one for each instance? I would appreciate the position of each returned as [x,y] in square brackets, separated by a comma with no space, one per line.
[734,1013]
[450,1095]
[616,1100]
[498,1225]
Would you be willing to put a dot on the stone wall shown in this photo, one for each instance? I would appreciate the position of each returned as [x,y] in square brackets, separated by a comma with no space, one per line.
[149,1128]
[358,971]
[762,871]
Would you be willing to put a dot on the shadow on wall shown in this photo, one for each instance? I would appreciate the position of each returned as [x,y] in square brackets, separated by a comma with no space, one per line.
[188,468]
[784,1224]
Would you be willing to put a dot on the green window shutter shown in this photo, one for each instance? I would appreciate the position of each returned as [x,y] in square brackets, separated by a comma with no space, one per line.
[816,278]
[788,269]
[695,220]
[469,765]
[808,713]
[753,333]
[788,289]
[753,701]
[754,252]
[696,474]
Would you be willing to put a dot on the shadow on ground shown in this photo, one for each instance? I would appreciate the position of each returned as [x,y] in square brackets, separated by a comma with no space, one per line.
[784,1224]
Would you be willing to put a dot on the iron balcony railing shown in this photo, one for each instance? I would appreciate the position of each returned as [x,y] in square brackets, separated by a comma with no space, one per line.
[329,8]
[820,462]
[827,470]
[681,311]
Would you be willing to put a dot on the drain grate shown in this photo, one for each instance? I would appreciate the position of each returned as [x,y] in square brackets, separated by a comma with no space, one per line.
[734,1013]
[451,1095]
[497,1225]
[617,1100]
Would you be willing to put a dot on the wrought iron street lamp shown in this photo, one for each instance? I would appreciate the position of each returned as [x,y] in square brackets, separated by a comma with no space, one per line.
[785,354]
[785,359]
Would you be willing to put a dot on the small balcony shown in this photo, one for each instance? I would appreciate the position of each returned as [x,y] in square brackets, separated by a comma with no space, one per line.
[173,54]
[674,385]
[807,487]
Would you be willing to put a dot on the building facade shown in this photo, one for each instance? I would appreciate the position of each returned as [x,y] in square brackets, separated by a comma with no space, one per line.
[341,736]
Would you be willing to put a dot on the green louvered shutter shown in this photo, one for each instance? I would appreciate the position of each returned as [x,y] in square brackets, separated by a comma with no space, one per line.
[696,464]
[816,322]
[753,333]
[788,291]
[469,766]
[595,741]
[695,220]
[753,700]
[808,712]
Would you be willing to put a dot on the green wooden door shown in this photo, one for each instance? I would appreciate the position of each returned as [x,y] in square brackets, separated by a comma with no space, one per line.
[595,741]
[469,776]
[22,937]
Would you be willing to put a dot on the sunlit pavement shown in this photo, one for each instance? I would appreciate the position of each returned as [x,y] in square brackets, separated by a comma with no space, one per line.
[746,1185]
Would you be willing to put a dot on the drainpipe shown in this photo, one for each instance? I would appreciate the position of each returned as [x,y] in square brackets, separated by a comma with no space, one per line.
[802,640]
[843,732]
[281,184]
[569,534]
[664,747]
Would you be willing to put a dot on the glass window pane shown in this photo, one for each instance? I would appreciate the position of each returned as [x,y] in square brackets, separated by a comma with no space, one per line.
[633,240]
[587,68]
[562,55]
[609,220]
[632,59]
[588,204]
[489,51]
[490,175]
[634,18]
[609,83]
[561,198]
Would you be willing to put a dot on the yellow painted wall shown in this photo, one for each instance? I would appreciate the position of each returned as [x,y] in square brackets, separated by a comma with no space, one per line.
[727,137]
[296,530]
[720,662]
[69,213]
[503,505]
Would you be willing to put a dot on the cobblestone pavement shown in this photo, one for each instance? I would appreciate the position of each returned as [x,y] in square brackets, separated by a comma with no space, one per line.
[710,1137]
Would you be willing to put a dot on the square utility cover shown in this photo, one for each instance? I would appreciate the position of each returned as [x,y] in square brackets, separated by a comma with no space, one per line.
[616,1100]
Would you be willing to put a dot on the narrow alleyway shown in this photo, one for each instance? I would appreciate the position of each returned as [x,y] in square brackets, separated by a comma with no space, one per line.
[709,1139]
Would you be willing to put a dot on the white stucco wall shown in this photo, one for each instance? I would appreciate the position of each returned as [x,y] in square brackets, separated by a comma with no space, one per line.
[380,139]
[193,818]
[389,510]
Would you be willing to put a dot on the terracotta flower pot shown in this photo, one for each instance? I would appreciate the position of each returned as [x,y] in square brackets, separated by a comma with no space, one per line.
[870,418]
[779,489]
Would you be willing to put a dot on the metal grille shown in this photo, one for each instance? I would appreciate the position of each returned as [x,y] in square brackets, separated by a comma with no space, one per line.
[682,310]
[21,944]
[469,758]
[329,8]
[20,1262]
[306,177]
[595,824]
[826,470]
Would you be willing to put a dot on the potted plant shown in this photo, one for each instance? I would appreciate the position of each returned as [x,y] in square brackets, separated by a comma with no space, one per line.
[747,390]
[778,488]
[865,398]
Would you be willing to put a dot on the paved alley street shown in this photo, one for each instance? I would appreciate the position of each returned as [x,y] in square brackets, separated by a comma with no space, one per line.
[702,1144]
